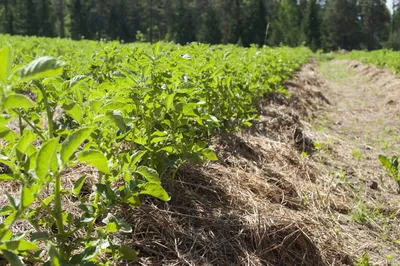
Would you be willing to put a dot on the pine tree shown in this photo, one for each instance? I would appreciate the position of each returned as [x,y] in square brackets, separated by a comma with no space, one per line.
[60,10]
[286,25]
[207,22]
[375,23]
[46,19]
[117,26]
[8,22]
[341,27]
[209,31]
[229,14]
[394,38]
[185,30]
[21,13]
[253,22]
[78,23]
[311,25]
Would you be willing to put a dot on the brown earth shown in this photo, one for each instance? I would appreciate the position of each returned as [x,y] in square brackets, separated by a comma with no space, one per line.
[302,186]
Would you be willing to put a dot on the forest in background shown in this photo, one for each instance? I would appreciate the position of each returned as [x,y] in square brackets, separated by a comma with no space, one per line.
[327,24]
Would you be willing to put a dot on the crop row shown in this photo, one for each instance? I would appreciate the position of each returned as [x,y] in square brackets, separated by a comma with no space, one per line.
[133,112]
[381,58]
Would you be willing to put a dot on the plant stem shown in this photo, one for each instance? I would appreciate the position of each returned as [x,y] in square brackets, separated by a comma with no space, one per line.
[58,213]
[96,204]
[30,124]
[21,127]
[48,110]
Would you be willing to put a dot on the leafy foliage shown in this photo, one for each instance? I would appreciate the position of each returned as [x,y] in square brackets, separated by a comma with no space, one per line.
[135,113]
[392,166]
[381,58]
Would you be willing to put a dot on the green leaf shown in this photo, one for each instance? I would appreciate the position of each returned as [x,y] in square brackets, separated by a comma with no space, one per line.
[118,224]
[169,102]
[391,166]
[75,80]
[158,139]
[55,258]
[4,119]
[149,174]
[45,158]
[47,200]
[18,245]
[112,228]
[17,101]
[13,201]
[39,236]
[23,143]
[7,134]
[155,190]
[78,185]
[127,253]
[88,254]
[6,58]
[156,49]
[27,197]
[94,158]
[72,143]
[74,111]
[45,66]
[7,234]
[8,177]
[135,157]
[105,191]
[13,259]
[118,119]
[209,154]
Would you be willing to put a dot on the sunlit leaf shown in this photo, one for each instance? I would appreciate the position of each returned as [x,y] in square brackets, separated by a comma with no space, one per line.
[45,66]
[149,174]
[72,143]
[45,157]
[17,101]
[155,190]
[6,59]
[94,158]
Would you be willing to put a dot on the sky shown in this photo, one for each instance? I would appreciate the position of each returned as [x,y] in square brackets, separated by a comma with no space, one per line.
[389,4]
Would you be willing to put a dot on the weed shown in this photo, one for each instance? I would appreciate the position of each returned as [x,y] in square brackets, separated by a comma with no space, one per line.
[357,155]
[364,260]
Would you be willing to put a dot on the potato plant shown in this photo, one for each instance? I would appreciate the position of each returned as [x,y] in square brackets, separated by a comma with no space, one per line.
[135,113]
[392,167]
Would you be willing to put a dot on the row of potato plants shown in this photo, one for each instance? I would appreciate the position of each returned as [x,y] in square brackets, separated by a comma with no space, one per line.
[134,112]
[383,58]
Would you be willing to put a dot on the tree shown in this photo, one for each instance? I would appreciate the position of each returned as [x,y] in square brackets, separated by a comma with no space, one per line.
[286,25]
[184,28]
[21,15]
[46,18]
[60,6]
[208,30]
[8,17]
[229,13]
[375,23]
[253,22]
[341,26]
[311,25]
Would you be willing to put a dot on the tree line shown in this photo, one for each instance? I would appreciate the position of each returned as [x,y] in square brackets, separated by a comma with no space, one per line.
[325,24]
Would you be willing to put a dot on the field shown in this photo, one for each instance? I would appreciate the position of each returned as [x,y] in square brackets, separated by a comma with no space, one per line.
[133,114]
[139,154]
